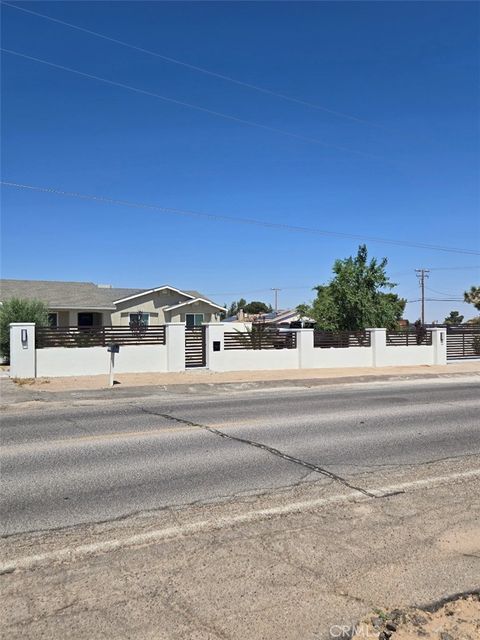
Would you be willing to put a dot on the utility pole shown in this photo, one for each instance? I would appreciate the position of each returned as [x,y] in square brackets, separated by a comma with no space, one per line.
[421,275]
[276,298]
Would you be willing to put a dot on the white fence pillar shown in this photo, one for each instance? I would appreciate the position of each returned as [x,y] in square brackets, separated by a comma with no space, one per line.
[214,334]
[22,350]
[439,341]
[305,348]
[175,339]
[378,339]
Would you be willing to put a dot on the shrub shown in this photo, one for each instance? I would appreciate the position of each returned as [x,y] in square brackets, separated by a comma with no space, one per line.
[19,310]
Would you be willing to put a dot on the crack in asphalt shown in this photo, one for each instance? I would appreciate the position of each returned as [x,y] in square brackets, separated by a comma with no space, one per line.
[276,452]
[404,465]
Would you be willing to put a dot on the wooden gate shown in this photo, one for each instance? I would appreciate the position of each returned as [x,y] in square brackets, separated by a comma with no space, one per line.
[195,352]
[463,343]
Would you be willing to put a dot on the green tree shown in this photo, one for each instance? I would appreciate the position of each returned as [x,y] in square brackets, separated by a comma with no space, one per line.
[473,297]
[454,318]
[19,310]
[235,307]
[355,298]
[257,307]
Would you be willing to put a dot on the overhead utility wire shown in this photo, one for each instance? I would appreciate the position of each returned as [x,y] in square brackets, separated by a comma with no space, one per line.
[442,293]
[234,219]
[436,300]
[181,103]
[409,271]
[312,287]
[250,291]
[214,74]
[475,266]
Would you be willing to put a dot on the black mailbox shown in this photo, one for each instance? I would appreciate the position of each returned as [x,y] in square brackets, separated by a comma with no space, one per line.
[113,348]
[216,345]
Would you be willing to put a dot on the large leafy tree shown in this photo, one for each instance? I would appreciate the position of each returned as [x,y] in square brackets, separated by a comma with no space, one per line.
[473,297]
[19,310]
[355,298]
[256,306]
[454,318]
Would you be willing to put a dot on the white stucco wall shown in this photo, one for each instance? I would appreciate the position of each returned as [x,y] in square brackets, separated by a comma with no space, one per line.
[28,362]
[22,350]
[306,356]
[406,356]
[331,358]
[54,362]
[246,359]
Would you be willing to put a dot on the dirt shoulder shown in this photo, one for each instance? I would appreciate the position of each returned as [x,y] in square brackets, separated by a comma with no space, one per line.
[458,619]
[309,376]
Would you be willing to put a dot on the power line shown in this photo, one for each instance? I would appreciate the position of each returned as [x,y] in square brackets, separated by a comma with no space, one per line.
[235,219]
[312,287]
[475,266]
[266,290]
[189,105]
[196,67]
[409,271]
[437,300]
[442,293]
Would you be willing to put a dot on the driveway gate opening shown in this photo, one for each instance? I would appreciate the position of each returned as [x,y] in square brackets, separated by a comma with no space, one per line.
[462,343]
[195,351]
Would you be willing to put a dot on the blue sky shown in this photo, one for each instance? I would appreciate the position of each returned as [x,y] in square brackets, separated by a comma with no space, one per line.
[403,165]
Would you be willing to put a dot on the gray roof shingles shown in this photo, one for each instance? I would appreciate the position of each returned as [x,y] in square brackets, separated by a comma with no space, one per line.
[69,295]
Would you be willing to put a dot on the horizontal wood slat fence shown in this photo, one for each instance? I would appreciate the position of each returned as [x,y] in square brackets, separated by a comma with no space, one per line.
[463,343]
[341,339]
[409,338]
[260,339]
[97,336]
[195,347]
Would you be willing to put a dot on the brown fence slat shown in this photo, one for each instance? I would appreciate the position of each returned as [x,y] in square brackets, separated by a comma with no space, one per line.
[97,336]
[409,338]
[195,347]
[461,343]
[260,339]
[341,339]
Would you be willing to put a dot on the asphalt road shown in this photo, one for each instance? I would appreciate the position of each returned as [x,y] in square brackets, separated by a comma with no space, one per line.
[67,465]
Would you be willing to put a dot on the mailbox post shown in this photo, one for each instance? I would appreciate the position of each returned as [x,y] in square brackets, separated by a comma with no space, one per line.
[112,348]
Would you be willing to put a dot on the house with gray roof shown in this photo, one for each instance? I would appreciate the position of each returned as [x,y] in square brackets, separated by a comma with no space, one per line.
[85,304]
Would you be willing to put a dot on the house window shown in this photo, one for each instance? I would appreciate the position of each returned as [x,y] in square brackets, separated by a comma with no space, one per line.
[53,319]
[193,319]
[139,319]
[85,319]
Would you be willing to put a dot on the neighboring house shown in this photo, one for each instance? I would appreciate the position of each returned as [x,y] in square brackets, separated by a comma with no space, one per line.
[287,318]
[281,319]
[86,304]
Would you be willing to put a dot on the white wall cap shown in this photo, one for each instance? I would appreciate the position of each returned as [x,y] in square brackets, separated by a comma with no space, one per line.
[22,324]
